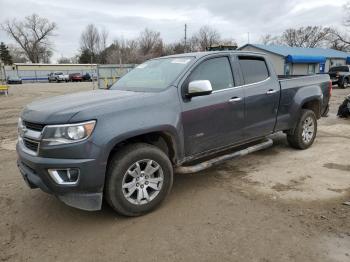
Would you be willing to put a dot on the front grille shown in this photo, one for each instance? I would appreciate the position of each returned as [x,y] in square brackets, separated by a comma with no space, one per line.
[33,126]
[31,145]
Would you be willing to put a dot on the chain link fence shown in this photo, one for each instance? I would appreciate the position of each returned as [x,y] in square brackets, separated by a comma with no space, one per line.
[107,75]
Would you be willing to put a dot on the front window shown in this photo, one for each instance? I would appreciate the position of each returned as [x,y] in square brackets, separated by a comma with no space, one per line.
[217,71]
[154,75]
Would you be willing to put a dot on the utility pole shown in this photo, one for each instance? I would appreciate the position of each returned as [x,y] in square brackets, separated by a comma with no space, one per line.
[92,72]
[185,49]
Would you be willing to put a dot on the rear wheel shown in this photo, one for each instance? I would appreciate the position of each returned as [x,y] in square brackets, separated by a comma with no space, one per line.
[345,83]
[139,177]
[305,132]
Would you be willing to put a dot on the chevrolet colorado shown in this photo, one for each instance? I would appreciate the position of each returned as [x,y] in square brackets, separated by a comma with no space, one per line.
[170,113]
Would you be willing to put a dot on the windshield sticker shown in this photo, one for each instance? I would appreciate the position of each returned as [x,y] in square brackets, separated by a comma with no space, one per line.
[141,66]
[180,61]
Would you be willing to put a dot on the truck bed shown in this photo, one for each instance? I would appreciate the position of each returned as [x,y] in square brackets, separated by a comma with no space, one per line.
[296,81]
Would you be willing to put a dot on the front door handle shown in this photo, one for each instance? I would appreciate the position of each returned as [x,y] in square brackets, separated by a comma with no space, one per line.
[235,99]
[271,91]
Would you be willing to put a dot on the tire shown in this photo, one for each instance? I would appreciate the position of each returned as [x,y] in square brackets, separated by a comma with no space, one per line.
[345,83]
[302,138]
[122,170]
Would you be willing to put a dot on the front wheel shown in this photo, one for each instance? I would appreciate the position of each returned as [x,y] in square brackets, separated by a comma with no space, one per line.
[305,132]
[139,177]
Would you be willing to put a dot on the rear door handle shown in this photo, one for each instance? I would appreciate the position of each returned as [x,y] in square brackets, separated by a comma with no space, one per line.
[271,91]
[235,99]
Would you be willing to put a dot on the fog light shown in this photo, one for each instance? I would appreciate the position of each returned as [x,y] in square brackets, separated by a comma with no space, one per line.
[66,176]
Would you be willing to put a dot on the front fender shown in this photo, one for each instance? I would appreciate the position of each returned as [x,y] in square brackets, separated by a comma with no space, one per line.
[165,129]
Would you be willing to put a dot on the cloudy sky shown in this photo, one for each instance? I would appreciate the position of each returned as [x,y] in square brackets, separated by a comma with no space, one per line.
[126,18]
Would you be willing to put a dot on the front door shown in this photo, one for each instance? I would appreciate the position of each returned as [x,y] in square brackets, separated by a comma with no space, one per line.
[214,120]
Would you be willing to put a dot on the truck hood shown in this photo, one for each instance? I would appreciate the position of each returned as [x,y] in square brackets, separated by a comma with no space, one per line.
[61,109]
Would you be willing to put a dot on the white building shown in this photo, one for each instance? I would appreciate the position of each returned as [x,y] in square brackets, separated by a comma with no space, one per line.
[40,72]
[300,61]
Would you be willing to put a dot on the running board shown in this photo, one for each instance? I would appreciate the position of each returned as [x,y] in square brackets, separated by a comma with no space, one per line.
[220,159]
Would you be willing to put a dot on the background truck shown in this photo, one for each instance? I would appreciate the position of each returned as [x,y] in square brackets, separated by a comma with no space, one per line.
[340,75]
[179,113]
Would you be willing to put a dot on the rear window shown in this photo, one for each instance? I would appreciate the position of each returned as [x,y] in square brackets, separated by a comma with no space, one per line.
[339,69]
[254,69]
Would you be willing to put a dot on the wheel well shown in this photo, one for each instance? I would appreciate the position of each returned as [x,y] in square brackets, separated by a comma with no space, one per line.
[313,105]
[163,140]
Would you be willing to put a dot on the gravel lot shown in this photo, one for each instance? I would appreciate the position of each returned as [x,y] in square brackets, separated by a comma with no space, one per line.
[279,204]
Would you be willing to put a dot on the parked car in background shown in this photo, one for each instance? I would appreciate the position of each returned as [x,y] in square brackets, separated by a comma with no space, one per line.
[14,80]
[75,77]
[168,115]
[58,77]
[86,77]
[340,75]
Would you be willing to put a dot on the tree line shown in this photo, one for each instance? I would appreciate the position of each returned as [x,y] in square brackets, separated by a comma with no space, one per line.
[33,37]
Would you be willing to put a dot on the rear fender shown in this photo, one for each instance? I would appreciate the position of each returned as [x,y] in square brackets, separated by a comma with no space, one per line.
[303,96]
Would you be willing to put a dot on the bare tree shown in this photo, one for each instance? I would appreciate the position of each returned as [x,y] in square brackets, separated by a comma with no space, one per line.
[122,51]
[339,41]
[93,42]
[269,39]
[174,48]
[64,60]
[32,35]
[17,53]
[90,39]
[150,44]
[204,38]
[103,38]
[310,36]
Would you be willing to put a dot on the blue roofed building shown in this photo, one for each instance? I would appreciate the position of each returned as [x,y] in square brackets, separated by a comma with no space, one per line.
[300,61]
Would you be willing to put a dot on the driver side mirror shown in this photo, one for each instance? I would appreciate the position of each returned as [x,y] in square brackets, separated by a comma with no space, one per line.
[199,88]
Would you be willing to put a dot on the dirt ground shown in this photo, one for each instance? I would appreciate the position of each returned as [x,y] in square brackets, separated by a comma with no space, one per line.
[279,204]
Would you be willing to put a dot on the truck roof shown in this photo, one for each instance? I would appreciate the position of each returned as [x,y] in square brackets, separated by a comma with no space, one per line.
[202,54]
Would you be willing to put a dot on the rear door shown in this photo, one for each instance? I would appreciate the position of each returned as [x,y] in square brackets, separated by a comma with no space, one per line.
[214,120]
[262,91]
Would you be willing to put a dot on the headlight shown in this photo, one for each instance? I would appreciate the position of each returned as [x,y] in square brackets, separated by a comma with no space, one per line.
[19,126]
[70,133]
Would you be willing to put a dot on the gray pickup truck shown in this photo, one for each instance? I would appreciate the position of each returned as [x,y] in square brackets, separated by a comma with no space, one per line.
[174,114]
[340,75]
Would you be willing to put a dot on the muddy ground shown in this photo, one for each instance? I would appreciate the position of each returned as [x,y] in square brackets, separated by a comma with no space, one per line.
[279,204]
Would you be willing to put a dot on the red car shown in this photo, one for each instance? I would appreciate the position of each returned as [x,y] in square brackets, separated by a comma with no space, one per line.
[76,77]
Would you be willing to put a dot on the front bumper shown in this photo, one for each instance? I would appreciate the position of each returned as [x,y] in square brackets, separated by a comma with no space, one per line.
[86,194]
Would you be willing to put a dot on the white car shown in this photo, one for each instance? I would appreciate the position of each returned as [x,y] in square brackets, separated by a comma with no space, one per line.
[58,77]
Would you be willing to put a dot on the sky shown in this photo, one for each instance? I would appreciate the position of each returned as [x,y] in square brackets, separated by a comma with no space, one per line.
[234,19]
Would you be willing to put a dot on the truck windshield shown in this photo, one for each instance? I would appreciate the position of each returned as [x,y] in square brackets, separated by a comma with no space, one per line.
[152,76]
